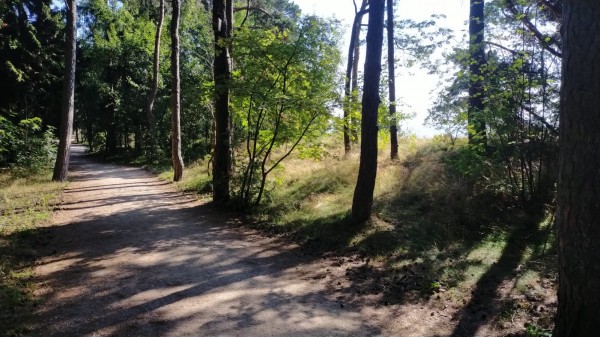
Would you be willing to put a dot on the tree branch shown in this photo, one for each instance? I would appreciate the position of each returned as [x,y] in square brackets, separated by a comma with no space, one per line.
[545,40]
[514,52]
[550,127]
[252,8]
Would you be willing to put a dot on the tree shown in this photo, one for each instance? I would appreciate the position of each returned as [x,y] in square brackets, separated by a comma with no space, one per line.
[32,60]
[578,209]
[32,49]
[154,86]
[362,202]
[352,72]
[477,133]
[284,89]
[392,80]
[116,47]
[222,27]
[176,157]
[61,166]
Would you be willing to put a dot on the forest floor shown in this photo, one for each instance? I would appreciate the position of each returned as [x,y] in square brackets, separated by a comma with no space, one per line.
[128,255]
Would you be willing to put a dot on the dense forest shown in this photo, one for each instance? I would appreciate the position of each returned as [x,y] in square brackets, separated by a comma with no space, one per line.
[254,104]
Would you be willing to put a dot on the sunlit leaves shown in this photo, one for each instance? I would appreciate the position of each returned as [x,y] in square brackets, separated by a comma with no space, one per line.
[284,85]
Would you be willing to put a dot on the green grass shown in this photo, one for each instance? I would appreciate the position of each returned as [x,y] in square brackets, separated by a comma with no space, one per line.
[195,178]
[25,203]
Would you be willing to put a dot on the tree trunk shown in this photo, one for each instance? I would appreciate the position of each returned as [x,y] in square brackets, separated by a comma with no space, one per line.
[392,80]
[222,77]
[477,133]
[61,166]
[362,202]
[111,132]
[350,79]
[578,209]
[176,157]
[154,86]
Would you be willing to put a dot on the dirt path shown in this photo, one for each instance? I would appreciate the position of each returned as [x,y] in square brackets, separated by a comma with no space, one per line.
[130,256]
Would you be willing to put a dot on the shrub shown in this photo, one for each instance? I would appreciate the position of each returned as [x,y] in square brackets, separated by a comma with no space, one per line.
[26,147]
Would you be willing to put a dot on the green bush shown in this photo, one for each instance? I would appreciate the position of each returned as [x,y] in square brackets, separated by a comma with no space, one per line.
[26,147]
[469,161]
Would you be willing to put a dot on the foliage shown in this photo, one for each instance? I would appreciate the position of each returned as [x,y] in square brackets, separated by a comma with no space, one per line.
[413,48]
[470,162]
[31,44]
[117,59]
[521,111]
[282,87]
[26,147]
[116,50]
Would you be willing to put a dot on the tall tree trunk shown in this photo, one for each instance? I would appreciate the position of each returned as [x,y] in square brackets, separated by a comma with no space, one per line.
[176,157]
[61,166]
[362,202]
[154,87]
[578,209]
[350,79]
[477,63]
[392,80]
[222,77]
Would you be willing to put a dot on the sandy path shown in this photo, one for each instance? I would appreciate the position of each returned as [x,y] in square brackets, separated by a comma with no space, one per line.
[130,256]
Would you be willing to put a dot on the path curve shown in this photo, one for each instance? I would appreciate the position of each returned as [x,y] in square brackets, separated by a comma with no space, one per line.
[130,256]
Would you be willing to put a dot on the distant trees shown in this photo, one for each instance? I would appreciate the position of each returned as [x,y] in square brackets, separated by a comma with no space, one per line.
[68,105]
[362,202]
[118,54]
[578,209]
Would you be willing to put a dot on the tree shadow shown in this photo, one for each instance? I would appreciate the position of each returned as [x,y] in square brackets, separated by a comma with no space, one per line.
[424,258]
[159,265]
[485,301]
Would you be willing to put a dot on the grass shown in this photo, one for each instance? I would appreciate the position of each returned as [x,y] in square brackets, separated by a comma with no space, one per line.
[25,203]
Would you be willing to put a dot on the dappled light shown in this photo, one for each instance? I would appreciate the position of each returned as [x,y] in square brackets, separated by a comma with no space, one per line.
[154,261]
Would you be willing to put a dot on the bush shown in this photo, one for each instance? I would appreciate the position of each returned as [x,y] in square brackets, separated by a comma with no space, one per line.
[26,147]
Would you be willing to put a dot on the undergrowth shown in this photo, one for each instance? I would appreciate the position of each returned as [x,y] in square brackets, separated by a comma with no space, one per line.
[25,203]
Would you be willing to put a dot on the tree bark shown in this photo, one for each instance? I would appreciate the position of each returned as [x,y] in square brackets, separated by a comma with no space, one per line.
[61,166]
[392,80]
[176,157]
[578,209]
[476,120]
[222,78]
[154,86]
[362,202]
[352,63]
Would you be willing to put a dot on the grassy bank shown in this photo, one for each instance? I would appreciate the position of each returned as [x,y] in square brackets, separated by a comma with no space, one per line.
[24,204]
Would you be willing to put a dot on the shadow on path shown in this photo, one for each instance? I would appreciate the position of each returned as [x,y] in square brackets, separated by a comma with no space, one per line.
[128,256]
